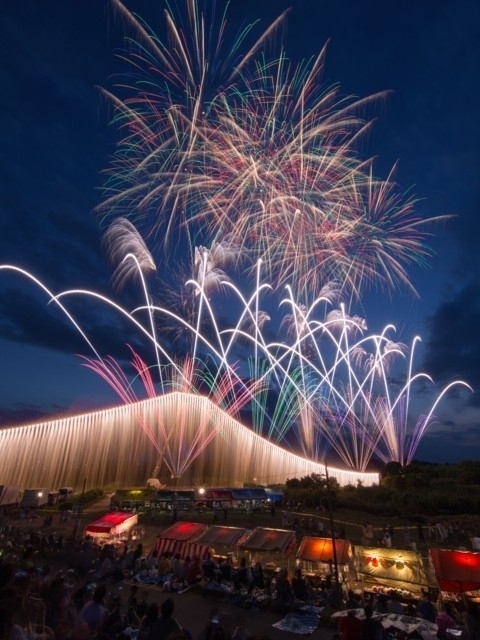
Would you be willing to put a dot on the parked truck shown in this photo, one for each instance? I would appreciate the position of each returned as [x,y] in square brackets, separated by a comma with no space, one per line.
[65,494]
[9,496]
[34,498]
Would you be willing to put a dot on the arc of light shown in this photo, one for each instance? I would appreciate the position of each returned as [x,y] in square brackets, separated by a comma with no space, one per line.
[53,298]
[225,349]
[117,307]
[416,437]
[150,314]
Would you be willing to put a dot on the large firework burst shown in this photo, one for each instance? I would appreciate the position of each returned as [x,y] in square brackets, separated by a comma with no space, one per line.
[256,147]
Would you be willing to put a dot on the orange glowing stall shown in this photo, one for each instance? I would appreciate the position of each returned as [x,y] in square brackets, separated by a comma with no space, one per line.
[316,556]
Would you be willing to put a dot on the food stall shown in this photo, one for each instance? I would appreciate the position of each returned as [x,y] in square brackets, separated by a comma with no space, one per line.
[181,538]
[380,570]
[222,540]
[272,547]
[315,556]
[111,527]
[456,572]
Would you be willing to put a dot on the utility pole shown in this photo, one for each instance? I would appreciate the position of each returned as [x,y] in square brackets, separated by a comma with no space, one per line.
[80,509]
[332,530]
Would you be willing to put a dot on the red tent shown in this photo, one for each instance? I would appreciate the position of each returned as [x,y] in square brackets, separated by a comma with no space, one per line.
[321,550]
[456,571]
[270,540]
[111,525]
[181,538]
[183,531]
[226,536]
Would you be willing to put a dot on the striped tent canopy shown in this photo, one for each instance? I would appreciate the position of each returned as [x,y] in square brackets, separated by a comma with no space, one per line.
[181,538]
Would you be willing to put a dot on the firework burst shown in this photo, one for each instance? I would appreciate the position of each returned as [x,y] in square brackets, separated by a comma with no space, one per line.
[258,149]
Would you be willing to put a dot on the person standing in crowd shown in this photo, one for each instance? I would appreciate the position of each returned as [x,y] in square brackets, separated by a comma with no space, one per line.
[421,535]
[426,608]
[299,586]
[93,612]
[370,629]
[349,626]
[471,620]
[444,621]
[258,578]
[146,628]
[166,624]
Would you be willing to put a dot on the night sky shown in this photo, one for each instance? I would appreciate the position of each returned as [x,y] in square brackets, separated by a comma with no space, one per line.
[56,142]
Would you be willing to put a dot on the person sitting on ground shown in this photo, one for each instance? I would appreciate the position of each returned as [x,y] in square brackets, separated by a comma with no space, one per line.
[132,597]
[166,624]
[299,586]
[380,603]
[215,629]
[185,570]
[209,568]
[393,603]
[148,623]
[226,570]
[283,588]
[165,564]
[8,626]
[258,578]
[143,605]
[137,554]
[152,561]
[194,571]
[243,575]
[177,566]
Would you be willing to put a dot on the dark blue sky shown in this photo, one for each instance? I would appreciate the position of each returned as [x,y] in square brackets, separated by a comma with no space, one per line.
[56,142]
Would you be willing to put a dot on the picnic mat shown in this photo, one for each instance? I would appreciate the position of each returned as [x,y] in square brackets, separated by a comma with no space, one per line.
[304,622]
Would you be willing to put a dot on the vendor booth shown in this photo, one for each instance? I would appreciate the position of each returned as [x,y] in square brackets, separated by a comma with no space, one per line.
[111,526]
[166,500]
[181,538]
[316,556]
[222,540]
[132,499]
[456,571]
[382,569]
[255,499]
[269,546]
